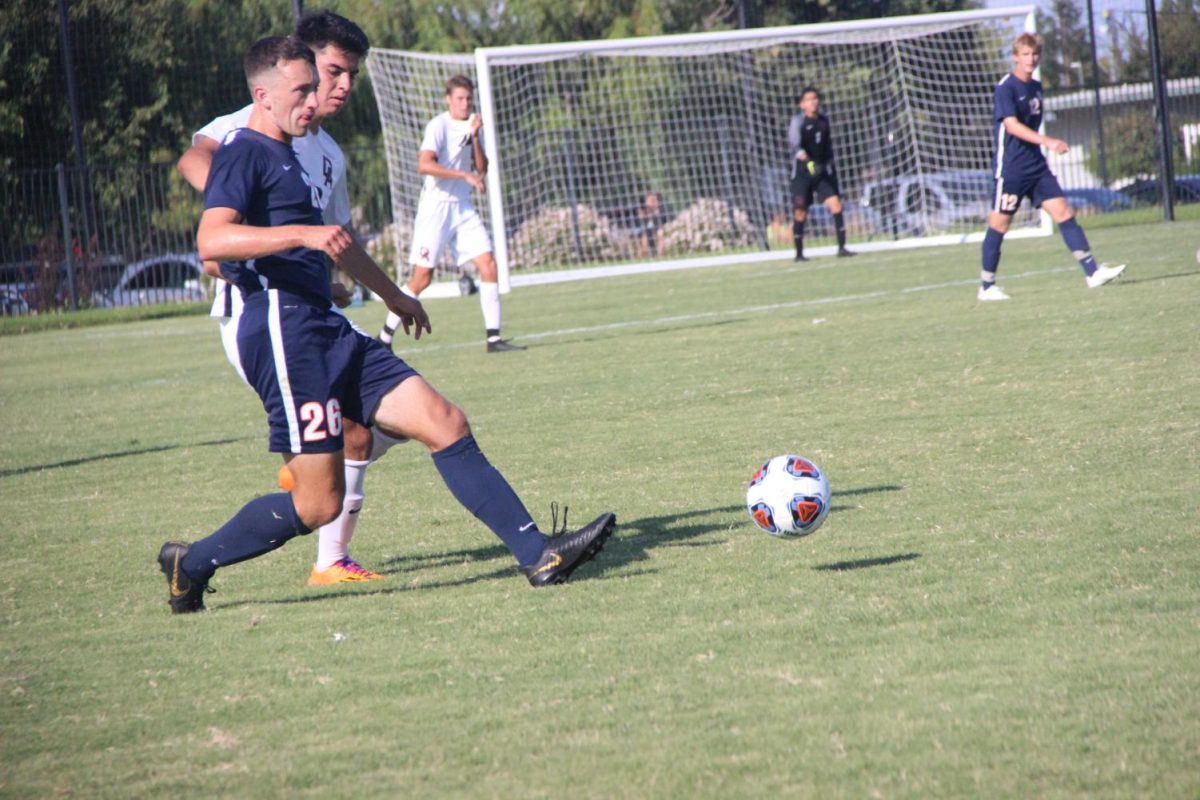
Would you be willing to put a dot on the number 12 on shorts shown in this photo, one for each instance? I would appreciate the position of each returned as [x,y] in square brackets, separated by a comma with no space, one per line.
[1009,202]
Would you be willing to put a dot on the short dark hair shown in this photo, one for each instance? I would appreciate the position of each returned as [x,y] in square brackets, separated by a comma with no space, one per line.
[808,89]
[321,28]
[459,82]
[266,53]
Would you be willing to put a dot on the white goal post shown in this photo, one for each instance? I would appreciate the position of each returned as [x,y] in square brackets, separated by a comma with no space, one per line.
[578,132]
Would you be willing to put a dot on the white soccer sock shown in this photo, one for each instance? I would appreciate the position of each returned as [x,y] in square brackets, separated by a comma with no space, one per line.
[489,301]
[389,328]
[333,540]
[382,442]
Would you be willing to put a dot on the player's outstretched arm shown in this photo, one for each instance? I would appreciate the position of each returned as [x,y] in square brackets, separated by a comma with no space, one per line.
[360,266]
[478,156]
[194,164]
[223,236]
[427,164]
[1015,127]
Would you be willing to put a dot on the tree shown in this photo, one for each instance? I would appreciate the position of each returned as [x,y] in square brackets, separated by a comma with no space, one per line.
[1131,151]
[1178,32]
[145,70]
[1067,56]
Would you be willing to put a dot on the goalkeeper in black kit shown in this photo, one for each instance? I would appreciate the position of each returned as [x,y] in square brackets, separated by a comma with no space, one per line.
[813,172]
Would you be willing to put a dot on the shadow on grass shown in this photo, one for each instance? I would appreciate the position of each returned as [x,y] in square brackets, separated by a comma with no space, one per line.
[837,509]
[864,563]
[344,591]
[869,490]
[631,543]
[635,538]
[1123,281]
[74,462]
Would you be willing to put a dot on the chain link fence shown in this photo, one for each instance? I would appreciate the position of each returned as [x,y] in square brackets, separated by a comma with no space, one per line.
[101,96]
[1118,170]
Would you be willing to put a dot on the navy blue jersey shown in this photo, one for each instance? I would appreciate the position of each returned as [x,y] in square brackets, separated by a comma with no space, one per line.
[260,178]
[1016,98]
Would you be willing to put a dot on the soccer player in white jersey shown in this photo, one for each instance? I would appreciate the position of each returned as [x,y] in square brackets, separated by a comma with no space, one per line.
[453,161]
[339,45]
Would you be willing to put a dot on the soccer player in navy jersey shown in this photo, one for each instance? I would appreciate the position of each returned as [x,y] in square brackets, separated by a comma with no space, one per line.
[262,222]
[810,142]
[339,46]
[1021,171]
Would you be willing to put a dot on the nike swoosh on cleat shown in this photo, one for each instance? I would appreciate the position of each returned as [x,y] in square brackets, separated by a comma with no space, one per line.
[524,528]
[557,560]
[286,167]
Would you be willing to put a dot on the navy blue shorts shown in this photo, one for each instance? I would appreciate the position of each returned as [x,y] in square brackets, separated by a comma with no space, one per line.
[1037,186]
[311,367]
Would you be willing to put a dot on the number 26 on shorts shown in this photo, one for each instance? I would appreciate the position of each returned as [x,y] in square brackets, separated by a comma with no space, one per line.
[323,420]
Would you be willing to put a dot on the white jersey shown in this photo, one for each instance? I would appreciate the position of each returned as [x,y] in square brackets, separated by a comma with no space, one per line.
[319,156]
[450,140]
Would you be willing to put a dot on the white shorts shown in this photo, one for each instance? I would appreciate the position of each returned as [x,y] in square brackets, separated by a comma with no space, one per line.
[455,224]
[229,329]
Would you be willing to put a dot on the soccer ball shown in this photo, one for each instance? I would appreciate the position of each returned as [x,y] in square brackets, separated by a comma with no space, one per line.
[788,496]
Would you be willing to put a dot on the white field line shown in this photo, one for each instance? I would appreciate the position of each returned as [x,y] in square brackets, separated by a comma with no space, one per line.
[737,312]
[123,332]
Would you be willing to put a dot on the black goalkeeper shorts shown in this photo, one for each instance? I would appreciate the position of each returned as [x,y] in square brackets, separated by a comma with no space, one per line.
[805,186]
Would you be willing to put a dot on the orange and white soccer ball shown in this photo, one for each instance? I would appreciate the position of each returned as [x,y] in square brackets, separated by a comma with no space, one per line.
[788,496]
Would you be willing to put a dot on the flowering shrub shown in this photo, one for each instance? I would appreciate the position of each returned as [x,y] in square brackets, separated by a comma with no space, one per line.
[704,226]
[548,238]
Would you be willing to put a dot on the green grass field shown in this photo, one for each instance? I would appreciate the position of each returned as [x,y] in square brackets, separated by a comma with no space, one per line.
[1002,603]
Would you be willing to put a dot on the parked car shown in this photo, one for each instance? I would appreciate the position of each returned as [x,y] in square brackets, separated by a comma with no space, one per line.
[1146,191]
[12,302]
[169,278]
[37,284]
[931,202]
[1097,200]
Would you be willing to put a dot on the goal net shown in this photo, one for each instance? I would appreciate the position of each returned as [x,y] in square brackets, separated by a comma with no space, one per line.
[579,133]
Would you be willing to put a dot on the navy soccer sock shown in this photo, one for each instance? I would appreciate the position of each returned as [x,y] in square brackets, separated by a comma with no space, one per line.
[262,525]
[484,492]
[1077,243]
[798,237]
[839,226]
[991,256]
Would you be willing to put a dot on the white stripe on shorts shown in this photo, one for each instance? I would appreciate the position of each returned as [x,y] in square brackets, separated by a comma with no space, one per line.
[281,373]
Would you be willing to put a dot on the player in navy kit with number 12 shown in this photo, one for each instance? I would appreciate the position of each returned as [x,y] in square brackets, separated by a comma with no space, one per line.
[262,221]
[1021,171]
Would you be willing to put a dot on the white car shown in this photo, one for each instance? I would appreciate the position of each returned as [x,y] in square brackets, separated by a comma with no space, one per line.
[168,278]
[935,202]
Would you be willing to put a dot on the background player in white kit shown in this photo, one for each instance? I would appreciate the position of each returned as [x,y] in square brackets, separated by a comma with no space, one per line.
[453,161]
[339,45]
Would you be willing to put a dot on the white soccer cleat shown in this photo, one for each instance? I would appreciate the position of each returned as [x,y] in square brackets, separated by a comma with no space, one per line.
[1103,274]
[992,292]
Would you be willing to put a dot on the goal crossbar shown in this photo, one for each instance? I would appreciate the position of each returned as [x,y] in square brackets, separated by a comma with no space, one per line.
[577,132]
